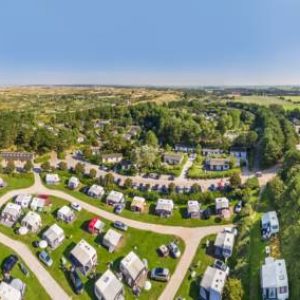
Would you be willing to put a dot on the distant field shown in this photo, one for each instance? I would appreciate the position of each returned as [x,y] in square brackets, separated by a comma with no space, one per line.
[268,100]
[47,100]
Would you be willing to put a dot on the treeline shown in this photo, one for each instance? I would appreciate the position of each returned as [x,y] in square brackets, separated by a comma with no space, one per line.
[277,134]
[284,194]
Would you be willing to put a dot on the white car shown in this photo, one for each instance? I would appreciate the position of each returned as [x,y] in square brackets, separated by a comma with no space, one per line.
[76,206]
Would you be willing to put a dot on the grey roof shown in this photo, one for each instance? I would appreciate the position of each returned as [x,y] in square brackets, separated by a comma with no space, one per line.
[213,279]
[108,286]
[217,161]
[224,240]
[132,264]
[273,273]
[270,218]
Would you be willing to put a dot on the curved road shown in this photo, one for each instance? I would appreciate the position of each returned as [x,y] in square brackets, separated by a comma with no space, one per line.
[180,181]
[190,236]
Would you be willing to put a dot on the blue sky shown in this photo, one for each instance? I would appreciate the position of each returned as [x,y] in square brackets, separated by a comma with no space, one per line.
[166,42]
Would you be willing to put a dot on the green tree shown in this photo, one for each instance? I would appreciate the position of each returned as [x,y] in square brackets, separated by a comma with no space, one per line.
[233,289]
[108,179]
[79,168]
[45,166]
[10,167]
[151,139]
[28,166]
[235,180]
[92,173]
[63,166]
[128,183]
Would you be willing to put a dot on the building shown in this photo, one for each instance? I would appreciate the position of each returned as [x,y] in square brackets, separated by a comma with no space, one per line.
[222,207]
[83,257]
[40,204]
[212,284]
[73,183]
[173,158]
[112,158]
[239,153]
[8,292]
[96,191]
[269,224]
[95,226]
[11,214]
[193,209]
[54,236]
[217,164]
[111,240]
[19,285]
[32,221]
[16,156]
[164,207]
[185,149]
[109,287]
[210,152]
[52,179]
[66,214]
[224,244]
[134,270]
[23,200]
[115,198]
[274,279]
[138,204]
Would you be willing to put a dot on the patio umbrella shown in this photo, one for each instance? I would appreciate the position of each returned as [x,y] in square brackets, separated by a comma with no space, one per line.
[43,244]
[147,286]
[23,230]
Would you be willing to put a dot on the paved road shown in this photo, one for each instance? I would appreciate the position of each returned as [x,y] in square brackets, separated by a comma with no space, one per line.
[181,181]
[50,285]
[191,236]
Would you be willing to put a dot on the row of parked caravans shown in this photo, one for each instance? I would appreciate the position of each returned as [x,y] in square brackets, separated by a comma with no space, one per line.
[273,273]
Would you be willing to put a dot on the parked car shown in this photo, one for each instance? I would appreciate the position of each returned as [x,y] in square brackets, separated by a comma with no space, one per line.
[160,274]
[45,258]
[219,264]
[174,250]
[238,207]
[258,174]
[76,206]
[119,208]
[24,270]
[206,213]
[171,177]
[9,263]
[120,225]
[163,250]
[76,282]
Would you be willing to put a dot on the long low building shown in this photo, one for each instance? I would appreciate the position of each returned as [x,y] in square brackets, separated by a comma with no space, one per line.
[16,156]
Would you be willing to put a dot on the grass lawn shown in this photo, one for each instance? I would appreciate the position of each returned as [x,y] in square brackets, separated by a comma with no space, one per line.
[16,181]
[42,158]
[142,242]
[34,290]
[177,219]
[189,288]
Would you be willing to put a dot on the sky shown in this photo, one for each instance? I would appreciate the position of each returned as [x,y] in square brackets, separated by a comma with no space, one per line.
[157,42]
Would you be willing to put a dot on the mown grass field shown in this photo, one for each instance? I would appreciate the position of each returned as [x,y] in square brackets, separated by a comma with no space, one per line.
[34,290]
[144,243]
[16,181]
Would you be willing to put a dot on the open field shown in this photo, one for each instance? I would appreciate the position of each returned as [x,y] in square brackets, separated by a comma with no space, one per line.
[142,242]
[268,100]
[16,181]
[53,99]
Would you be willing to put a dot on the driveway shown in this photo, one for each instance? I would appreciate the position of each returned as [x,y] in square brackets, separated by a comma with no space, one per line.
[180,181]
[190,236]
